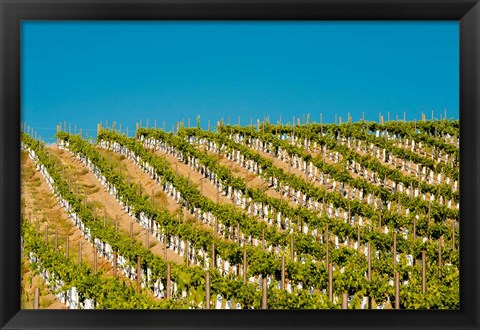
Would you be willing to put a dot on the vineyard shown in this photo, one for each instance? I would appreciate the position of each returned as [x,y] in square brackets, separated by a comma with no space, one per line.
[357,215]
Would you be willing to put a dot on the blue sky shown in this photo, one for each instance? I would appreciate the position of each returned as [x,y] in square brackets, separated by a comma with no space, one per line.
[87,72]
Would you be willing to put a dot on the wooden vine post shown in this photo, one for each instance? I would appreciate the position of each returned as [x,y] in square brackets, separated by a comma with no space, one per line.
[187,257]
[264,292]
[345,300]
[429,220]
[424,260]
[350,212]
[238,233]
[56,240]
[66,246]
[292,251]
[282,283]
[168,282]
[213,256]
[440,241]
[327,241]
[330,282]
[358,237]
[244,263]
[397,291]
[114,263]
[139,274]
[453,236]
[369,272]
[394,250]
[36,298]
[80,252]
[95,259]
[207,290]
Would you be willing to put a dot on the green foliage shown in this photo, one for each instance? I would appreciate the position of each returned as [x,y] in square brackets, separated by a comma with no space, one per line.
[309,267]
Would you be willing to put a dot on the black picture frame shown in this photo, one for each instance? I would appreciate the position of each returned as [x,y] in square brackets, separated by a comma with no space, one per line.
[467,12]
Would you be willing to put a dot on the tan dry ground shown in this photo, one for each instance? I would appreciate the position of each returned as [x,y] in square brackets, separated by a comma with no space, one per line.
[209,190]
[30,281]
[358,176]
[284,165]
[162,199]
[289,169]
[133,173]
[253,180]
[105,202]
[362,153]
[39,203]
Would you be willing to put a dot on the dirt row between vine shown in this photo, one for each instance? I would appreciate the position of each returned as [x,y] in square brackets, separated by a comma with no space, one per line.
[285,166]
[209,189]
[43,205]
[380,160]
[277,162]
[107,204]
[30,281]
[161,199]
[253,180]
[39,203]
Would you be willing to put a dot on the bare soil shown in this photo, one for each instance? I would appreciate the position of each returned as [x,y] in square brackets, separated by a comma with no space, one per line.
[253,180]
[30,281]
[41,204]
[209,190]
[107,204]
[161,199]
